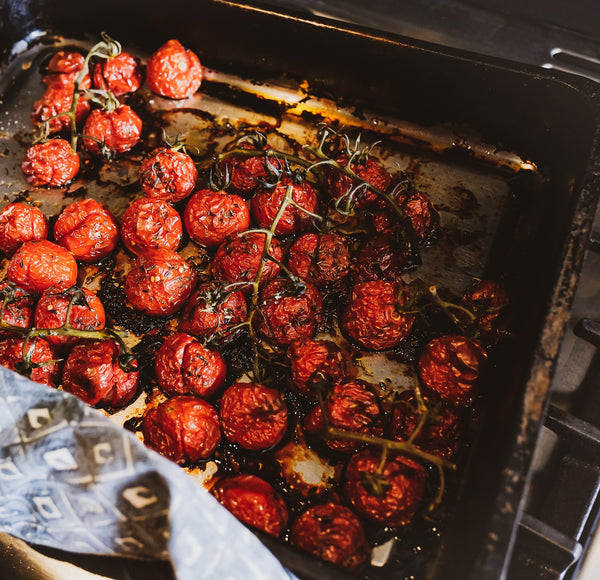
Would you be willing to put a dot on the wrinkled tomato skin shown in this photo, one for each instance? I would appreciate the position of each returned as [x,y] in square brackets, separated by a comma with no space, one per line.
[92,373]
[121,74]
[20,223]
[37,266]
[379,257]
[118,130]
[183,428]
[372,318]
[312,361]
[288,311]
[159,282]
[253,501]
[184,366]
[87,229]
[212,313]
[51,312]
[11,355]
[150,224]
[333,533]
[253,416]
[400,499]
[168,174]
[211,216]
[174,72]
[51,164]
[58,101]
[351,406]
[267,200]
[62,70]
[449,366]
[485,299]
[19,307]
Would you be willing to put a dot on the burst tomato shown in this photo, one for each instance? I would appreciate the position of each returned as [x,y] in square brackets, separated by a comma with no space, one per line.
[33,359]
[17,305]
[20,223]
[114,131]
[53,107]
[380,257]
[168,174]
[121,74]
[52,163]
[485,299]
[62,70]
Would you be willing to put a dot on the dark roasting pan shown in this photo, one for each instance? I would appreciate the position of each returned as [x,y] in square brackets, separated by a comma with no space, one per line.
[466,108]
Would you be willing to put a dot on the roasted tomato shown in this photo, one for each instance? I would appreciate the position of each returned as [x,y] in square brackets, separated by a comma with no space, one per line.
[184,366]
[20,223]
[239,257]
[391,498]
[120,74]
[92,373]
[183,428]
[33,359]
[174,72]
[288,310]
[87,313]
[16,304]
[52,163]
[62,70]
[485,299]
[321,259]
[374,317]
[149,224]
[253,501]
[314,361]
[168,174]
[351,406]
[114,131]
[253,416]
[37,266]
[333,533]
[211,216]
[380,257]
[159,282]
[213,311]
[450,366]
[268,199]
[53,107]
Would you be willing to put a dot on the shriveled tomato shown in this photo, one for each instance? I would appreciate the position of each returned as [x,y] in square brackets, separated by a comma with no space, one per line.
[33,359]
[39,265]
[253,416]
[62,70]
[17,306]
[87,229]
[121,74]
[380,257]
[52,163]
[174,72]
[211,216]
[485,299]
[149,224]
[253,501]
[168,174]
[183,428]
[113,131]
[20,223]
[53,107]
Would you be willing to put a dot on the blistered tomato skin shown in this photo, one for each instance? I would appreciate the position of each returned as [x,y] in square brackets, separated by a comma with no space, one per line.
[184,366]
[37,266]
[485,299]
[159,282]
[183,428]
[450,366]
[51,164]
[174,72]
[20,223]
[121,74]
[168,174]
[253,501]
[17,305]
[53,106]
[62,70]
[150,224]
[87,229]
[380,257]
[333,533]
[253,416]
[118,131]
[92,373]
[211,216]
[38,351]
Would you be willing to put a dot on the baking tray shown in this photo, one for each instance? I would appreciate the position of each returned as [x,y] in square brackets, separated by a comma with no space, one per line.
[518,143]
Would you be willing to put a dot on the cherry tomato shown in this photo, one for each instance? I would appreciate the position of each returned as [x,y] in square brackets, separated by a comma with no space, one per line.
[53,106]
[62,70]
[485,299]
[17,305]
[288,310]
[333,533]
[38,353]
[87,229]
[159,282]
[184,366]
[380,257]
[92,373]
[253,416]
[37,266]
[450,366]
[374,317]
[253,501]
[391,498]
[183,428]
[20,223]
[116,131]
[52,163]
[211,216]
[168,174]
[120,74]
[174,72]
[149,224]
